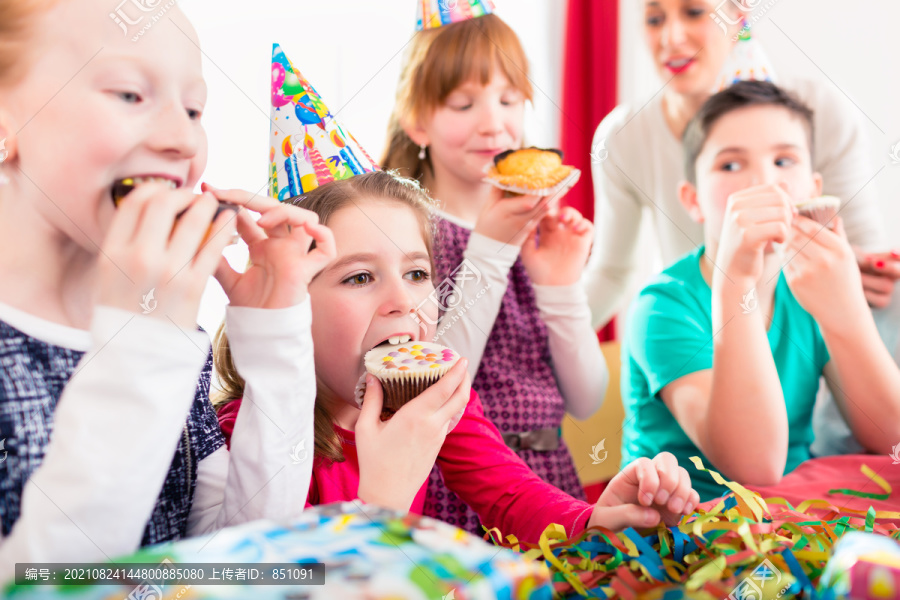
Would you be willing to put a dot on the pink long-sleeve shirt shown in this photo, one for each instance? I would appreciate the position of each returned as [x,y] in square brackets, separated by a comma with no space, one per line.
[476,464]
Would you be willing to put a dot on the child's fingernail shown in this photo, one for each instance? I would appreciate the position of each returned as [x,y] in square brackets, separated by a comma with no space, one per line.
[370,379]
[676,505]
[662,496]
[879,264]
[689,508]
[650,516]
[895,254]
[647,497]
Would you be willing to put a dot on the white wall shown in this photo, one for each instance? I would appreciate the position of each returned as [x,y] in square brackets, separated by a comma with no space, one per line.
[351,52]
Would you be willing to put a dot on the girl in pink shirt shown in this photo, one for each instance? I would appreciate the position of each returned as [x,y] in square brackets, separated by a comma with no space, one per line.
[382,272]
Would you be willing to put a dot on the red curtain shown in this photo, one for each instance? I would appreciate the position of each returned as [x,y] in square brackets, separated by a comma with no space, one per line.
[588,93]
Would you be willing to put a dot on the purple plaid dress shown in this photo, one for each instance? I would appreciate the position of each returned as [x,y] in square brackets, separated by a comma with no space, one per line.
[514,380]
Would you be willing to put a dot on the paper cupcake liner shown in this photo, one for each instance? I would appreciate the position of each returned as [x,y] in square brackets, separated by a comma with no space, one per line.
[399,391]
[823,215]
[567,182]
[821,210]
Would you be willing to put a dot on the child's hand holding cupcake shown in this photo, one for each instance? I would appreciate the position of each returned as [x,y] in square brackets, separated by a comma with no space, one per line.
[396,456]
[755,218]
[557,254]
[157,243]
[511,220]
[822,272]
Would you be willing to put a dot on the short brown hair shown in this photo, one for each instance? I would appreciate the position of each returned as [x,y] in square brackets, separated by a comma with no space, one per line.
[439,61]
[743,94]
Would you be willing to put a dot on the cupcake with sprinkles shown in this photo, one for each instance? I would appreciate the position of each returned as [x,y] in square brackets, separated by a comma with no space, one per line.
[406,368]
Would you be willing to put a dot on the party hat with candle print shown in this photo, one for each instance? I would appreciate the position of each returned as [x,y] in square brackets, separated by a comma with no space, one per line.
[308,147]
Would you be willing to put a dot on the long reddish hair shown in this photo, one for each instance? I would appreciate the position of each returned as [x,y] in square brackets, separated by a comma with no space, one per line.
[17,20]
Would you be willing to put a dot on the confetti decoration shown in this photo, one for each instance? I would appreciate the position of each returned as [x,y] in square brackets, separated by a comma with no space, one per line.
[743,544]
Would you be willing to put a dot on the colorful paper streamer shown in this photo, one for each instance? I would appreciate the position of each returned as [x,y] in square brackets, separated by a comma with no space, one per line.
[744,540]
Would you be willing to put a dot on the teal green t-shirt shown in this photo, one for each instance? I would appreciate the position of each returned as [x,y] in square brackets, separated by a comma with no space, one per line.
[669,335]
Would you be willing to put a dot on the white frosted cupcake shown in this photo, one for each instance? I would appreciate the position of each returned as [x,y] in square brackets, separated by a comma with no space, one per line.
[821,210]
[405,370]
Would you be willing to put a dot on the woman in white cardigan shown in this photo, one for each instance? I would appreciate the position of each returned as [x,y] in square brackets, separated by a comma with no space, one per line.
[639,161]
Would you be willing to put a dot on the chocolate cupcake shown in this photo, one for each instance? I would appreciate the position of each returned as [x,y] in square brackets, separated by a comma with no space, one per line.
[406,370]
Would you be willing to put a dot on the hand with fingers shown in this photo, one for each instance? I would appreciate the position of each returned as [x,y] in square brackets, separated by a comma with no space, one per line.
[754,219]
[822,272]
[558,253]
[644,493]
[142,253]
[396,456]
[281,262]
[880,272]
[511,220]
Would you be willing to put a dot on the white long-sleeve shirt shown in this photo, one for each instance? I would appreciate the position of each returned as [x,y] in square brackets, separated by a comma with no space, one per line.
[578,362]
[122,413]
[644,163]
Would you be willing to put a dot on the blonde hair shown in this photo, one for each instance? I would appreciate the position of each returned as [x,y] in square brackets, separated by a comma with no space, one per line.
[439,61]
[17,22]
[325,201]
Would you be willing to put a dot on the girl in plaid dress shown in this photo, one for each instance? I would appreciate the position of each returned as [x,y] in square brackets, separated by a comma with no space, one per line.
[109,438]
[514,307]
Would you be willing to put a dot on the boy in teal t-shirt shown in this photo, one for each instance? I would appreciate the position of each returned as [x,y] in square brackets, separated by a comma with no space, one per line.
[723,351]
[670,336]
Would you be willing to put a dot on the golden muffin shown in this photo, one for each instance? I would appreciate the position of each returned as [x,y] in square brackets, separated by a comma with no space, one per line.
[529,168]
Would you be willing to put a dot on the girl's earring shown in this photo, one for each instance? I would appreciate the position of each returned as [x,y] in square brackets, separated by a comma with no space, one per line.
[422,151]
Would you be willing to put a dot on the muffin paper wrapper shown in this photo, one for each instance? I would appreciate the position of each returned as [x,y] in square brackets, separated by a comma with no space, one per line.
[823,215]
[398,391]
[567,182]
